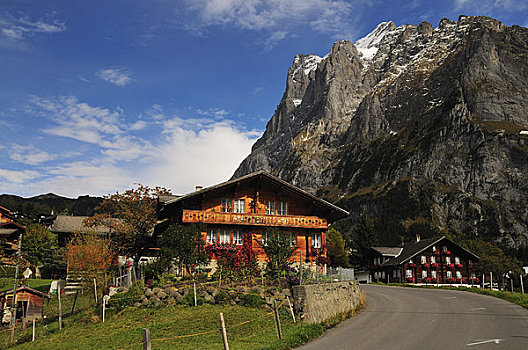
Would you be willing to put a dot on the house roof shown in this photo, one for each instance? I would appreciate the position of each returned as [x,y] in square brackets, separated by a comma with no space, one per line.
[26,288]
[388,251]
[5,210]
[337,212]
[7,231]
[411,250]
[74,224]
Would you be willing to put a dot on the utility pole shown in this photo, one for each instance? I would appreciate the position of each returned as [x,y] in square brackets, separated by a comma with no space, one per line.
[13,304]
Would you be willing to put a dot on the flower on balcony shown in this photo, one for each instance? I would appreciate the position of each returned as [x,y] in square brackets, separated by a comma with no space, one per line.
[428,280]
[425,265]
[412,265]
[458,280]
[447,252]
[436,252]
[434,265]
[433,279]
[409,279]
[475,280]
[450,265]
[458,265]
[451,280]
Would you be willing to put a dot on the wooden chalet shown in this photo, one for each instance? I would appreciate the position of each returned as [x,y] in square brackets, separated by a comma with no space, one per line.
[429,261]
[29,303]
[66,226]
[248,206]
[9,233]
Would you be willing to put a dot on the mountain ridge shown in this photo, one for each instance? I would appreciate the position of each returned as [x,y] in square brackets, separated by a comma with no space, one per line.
[436,111]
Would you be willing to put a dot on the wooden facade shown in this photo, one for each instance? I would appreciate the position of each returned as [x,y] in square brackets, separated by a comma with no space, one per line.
[250,205]
[428,261]
[29,303]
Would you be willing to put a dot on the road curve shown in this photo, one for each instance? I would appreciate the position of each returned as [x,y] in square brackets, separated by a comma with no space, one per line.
[411,318]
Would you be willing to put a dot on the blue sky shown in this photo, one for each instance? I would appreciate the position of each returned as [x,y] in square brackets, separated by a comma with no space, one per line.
[98,95]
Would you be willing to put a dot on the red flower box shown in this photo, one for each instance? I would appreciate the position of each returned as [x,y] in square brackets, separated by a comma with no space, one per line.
[436,252]
[412,265]
[476,280]
[427,280]
[459,265]
[409,279]
[425,265]
[447,252]
[450,265]
[434,265]
[433,280]
[451,280]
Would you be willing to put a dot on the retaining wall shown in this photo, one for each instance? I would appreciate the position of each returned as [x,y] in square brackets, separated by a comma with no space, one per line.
[318,302]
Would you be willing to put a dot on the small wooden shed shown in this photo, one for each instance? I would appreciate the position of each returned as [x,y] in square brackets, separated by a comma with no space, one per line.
[29,303]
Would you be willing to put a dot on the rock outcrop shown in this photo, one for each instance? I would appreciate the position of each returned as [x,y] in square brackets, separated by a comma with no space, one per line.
[411,114]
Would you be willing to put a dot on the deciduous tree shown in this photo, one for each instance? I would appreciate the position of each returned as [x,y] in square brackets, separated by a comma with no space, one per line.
[278,250]
[131,217]
[336,248]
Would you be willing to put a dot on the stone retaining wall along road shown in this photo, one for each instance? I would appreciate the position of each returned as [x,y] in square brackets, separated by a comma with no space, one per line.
[318,302]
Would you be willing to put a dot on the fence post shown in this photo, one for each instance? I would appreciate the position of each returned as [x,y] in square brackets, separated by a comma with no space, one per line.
[277,319]
[522,285]
[60,304]
[291,308]
[95,289]
[74,302]
[300,267]
[224,332]
[147,345]
[195,302]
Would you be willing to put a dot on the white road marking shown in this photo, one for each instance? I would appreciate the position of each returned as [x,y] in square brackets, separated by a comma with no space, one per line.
[478,308]
[485,341]
[450,297]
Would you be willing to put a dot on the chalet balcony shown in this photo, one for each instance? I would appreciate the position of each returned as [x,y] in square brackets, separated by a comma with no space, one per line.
[211,217]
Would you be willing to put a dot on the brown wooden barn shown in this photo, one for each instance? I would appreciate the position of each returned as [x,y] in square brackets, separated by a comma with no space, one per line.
[29,303]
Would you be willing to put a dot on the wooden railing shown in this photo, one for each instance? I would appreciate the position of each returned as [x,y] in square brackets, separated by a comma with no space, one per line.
[211,217]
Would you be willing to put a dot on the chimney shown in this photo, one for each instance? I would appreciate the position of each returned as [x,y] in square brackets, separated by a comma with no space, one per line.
[199,188]
[417,238]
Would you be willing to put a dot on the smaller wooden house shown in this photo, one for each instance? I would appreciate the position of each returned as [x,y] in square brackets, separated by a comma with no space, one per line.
[435,260]
[29,303]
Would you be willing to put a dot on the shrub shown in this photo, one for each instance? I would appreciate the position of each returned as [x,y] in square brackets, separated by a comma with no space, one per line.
[222,297]
[252,300]
[189,300]
[122,300]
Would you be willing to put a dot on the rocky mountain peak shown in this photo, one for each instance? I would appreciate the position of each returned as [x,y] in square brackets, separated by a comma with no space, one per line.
[431,112]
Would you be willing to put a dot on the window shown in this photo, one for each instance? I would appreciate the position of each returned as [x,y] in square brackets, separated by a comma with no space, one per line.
[459,275]
[473,276]
[408,273]
[394,274]
[457,260]
[316,240]
[211,236]
[449,274]
[469,262]
[224,236]
[424,273]
[270,208]
[238,237]
[448,260]
[239,206]
[226,205]
[433,260]
[444,248]
[293,239]
[424,259]
[264,238]
[433,274]
[434,248]
[281,208]
[410,261]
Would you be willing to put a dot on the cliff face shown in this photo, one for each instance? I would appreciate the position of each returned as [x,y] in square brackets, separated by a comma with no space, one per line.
[432,114]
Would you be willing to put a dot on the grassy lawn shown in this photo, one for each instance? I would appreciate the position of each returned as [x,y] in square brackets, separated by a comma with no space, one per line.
[42,285]
[123,330]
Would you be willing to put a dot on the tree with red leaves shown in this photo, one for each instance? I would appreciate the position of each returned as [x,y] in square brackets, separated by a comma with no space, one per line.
[131,217]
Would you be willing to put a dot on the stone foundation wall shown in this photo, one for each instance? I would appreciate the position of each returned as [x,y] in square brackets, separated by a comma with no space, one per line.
[318,302]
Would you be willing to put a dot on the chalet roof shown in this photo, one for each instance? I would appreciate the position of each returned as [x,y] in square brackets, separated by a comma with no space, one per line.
[388,251]
[74,224]
[411,250]
[7,231]
[26,288]
[338,213]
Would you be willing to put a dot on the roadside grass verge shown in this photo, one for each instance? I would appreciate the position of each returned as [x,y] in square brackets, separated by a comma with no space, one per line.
[39,284]
[514,297]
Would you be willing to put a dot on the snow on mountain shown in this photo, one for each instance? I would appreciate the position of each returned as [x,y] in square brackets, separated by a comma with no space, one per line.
[368,45]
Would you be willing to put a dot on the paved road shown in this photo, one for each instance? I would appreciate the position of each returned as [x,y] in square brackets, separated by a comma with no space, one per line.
[407,318]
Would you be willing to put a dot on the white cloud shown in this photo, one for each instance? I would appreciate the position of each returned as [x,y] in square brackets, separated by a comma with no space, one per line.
[276,18]
[17,29]
[117,76]
[29,154]
[167,150]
